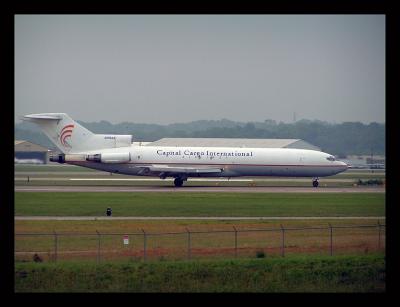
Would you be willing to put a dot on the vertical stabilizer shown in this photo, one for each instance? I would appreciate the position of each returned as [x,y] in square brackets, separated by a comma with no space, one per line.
[63,131]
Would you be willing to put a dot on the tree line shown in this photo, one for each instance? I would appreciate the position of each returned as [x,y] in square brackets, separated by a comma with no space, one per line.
[348,138]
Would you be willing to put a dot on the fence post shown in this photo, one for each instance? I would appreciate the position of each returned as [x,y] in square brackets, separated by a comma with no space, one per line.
[55,245]
[144,245]
[98,247]
[283,241]
[379,235]
[234,228]
[331,238]
[188,251]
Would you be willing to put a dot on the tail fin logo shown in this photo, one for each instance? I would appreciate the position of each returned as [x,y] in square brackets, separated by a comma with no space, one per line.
[65,133]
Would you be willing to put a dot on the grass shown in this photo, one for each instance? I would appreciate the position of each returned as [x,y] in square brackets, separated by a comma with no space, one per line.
[198,204]
[157,226]
[290,274]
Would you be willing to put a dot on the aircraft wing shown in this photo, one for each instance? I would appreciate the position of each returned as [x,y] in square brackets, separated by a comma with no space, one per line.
[158,169]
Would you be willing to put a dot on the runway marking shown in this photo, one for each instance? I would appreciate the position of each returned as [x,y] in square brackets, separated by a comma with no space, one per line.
[214,189]
[24,178]
[229,218]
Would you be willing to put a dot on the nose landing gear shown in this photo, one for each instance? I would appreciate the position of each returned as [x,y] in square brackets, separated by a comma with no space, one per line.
[315,182]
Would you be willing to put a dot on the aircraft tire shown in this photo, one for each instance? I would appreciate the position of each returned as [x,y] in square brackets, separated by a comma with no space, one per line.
[178,182]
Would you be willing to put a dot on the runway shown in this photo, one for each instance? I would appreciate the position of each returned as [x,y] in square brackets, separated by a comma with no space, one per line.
[202,189]
[215,218]
[24,178]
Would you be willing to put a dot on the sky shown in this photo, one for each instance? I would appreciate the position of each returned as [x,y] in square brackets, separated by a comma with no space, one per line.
[179,68]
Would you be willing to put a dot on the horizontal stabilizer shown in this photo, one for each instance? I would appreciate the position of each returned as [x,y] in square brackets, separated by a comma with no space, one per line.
[42,116]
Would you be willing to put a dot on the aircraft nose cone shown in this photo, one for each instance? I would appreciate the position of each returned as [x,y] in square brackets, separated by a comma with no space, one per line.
[343,165]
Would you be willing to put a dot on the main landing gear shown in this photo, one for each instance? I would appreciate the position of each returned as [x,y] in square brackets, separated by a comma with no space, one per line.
[178,182]
[315,182]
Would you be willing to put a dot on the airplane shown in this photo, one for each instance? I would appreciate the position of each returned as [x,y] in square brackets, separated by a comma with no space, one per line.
[117,154]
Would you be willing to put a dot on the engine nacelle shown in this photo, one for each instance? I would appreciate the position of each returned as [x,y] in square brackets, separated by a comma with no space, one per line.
[57,158]
[62,158]
[110,157]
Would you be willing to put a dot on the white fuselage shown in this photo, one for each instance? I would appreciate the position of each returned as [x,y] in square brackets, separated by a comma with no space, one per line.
[117,154]
[232,162]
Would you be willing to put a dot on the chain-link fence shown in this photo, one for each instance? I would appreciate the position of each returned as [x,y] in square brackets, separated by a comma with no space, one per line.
[190,244]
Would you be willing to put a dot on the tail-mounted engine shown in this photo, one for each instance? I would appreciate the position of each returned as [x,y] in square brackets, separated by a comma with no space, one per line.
[112,157]
[57,158]
[117,157]
[62,158]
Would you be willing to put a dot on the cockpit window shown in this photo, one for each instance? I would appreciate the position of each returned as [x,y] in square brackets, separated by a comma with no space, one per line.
[330,158]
